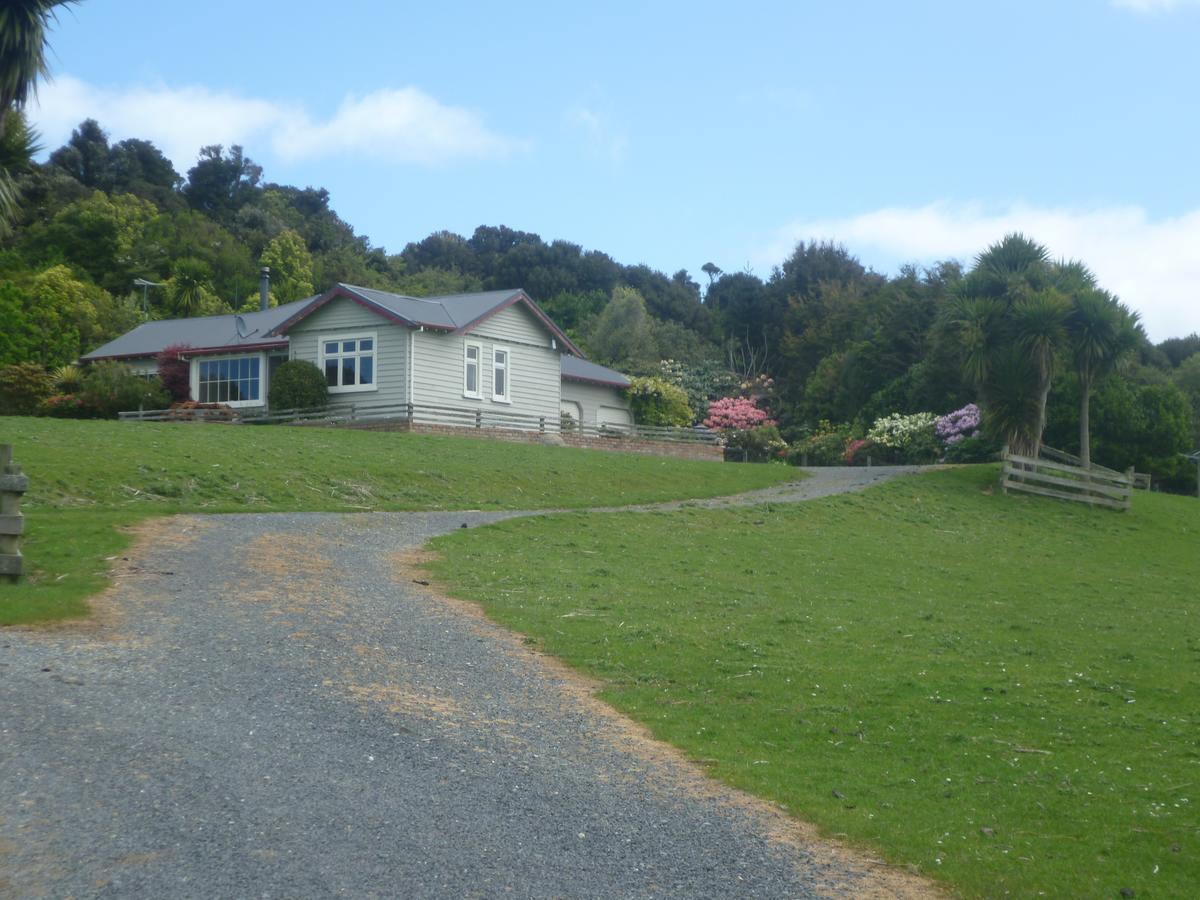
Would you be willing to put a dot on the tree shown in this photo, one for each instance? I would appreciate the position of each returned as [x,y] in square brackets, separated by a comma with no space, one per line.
[188,287]
[219,184]
[1010,320]
[1101,332]
[622,335]
[86,157]
[23,25]
[291,267]
[18,146]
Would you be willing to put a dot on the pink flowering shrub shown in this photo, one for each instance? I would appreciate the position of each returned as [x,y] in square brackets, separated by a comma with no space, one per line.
[735,414]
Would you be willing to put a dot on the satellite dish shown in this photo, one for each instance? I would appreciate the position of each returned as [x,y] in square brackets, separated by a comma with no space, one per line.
[240,324]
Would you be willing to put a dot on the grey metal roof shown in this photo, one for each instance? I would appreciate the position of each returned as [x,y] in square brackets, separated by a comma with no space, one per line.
[202,332]
[445,311]
[583,370]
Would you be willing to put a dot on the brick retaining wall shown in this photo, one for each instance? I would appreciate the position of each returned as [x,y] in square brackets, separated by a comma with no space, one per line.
[679,450]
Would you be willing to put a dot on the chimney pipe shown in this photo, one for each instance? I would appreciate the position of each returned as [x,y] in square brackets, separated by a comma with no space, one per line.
[264,289]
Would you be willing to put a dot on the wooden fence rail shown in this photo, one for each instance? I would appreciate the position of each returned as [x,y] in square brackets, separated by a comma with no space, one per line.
[421,414]
[1096,486]
[12,485]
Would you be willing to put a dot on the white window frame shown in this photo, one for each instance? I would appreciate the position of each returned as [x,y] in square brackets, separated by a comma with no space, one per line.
[477,394]
[371,336]
[234,404]
[506,397]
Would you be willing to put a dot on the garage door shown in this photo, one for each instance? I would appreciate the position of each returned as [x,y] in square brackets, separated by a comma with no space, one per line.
[614,415]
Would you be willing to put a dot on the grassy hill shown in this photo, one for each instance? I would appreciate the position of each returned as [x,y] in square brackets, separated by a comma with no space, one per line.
[87,479]
[1003,692]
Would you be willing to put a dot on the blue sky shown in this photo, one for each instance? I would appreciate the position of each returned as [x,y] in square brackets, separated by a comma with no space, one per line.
[680,133]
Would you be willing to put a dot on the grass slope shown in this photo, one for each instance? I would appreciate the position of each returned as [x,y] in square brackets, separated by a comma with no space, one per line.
[1003,692]
[89,478]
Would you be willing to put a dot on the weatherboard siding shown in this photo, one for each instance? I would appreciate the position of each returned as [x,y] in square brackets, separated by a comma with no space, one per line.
[591,397]
[533,373]
[342,316]
[516,325]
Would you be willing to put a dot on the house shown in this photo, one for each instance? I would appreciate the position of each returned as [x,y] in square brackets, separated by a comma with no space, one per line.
[495,351]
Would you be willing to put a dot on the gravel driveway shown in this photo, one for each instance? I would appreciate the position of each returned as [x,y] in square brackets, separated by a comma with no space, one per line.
[270,706]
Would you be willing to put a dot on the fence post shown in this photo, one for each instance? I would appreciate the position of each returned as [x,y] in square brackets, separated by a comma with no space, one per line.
[353,410]
[478,418]
[409,411]
[12,485]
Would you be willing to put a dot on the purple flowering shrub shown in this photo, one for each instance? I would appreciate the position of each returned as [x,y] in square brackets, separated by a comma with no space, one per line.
[958,425]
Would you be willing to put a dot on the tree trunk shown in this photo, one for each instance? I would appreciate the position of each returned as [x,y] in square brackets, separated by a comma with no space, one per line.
[1041,419]
[1085,425]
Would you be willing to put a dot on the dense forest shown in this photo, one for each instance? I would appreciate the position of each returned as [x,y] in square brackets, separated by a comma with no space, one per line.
[106,235]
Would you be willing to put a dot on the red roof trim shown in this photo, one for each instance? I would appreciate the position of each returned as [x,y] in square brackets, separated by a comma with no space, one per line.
[194,351]
[522,297]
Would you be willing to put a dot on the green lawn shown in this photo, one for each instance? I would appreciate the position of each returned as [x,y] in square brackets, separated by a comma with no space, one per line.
[89,478]
[1003,692]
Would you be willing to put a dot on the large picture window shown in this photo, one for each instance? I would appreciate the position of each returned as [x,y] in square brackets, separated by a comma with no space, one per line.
[500,375]
[472,358]
[233,380]
[348,361]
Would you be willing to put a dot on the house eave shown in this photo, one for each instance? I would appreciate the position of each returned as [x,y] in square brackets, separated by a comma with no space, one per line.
[601,382]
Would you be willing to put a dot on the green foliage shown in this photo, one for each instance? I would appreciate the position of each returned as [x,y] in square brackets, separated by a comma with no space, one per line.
[825,446]
[702,381]
[623,334]
[174,372]
[884,664]
[908,439]
[762,444]
[112,387]
[298,384]
[978,449]
[1187,379]
[291,267]
[68,379]
[23,386]
[655,401]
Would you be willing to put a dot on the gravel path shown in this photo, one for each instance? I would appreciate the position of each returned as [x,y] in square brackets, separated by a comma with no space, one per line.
[269,706]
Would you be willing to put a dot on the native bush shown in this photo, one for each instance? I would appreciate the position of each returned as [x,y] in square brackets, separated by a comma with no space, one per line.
[65,406]
[68,379]
[858,452]
[23,387]
[112,387]
[975,449]
[761,444]
[656,401]
[297,384]
[703,382]
[174,372]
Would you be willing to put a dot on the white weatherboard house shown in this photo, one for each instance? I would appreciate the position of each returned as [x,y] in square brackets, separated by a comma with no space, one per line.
[494,351]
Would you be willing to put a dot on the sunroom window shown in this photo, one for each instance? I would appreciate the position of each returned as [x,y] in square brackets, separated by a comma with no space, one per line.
[232,380]
[348,361]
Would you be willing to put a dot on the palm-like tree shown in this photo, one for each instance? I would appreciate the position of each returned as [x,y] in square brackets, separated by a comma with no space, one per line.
[23,25]
[18,146]
[1102,331]
[1010,324]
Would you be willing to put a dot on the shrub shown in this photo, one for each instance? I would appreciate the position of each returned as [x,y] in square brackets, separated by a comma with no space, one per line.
[297,384]
[760,444]
[858,451]
[824,447]
[702,381]
[110,388]
[735,414]
[23,387]
[907,439]
[975,449]
[174,372]
[658,402]
[65,406]
[958,425]
[68,379]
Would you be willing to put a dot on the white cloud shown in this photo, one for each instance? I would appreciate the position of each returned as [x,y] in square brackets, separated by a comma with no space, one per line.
[1153,6]
[602,139]
[1152,265]
[399,126]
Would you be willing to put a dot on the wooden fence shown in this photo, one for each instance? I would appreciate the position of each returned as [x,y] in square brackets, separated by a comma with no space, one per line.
[1053,477]
[12,485]
[420,414]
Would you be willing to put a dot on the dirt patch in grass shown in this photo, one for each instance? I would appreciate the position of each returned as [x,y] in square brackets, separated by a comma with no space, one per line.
[668,770]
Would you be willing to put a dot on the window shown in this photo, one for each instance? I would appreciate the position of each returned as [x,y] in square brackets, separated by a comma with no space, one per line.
[471,356]
[348,361]
[234,380]
[500,376]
